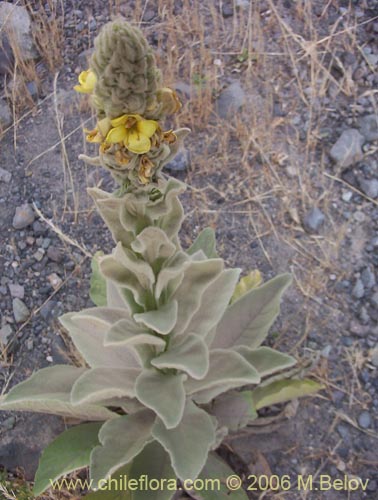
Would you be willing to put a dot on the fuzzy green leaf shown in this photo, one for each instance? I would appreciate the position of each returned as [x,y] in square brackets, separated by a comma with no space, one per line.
[161,320]
[97,291]
[283,390]
[189,443]
[98,384]
[68,452]
[163,393]
[205,241]
[247,321]
[190,356]
[121,440]
[233,409]
[129,333]
[266,360]
[48,391]
[88,330]
[228,370]
[153,244]
[215,468]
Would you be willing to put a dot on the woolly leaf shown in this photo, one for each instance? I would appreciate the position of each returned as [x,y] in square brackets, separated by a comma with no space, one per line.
[283,390]
[97,291]
[48,391]
[99,384]
[233,409]
[121,440]
[205,241]
[266,360]
[190,356]
[216,469]
[163,393]
[247,321]
[247,283]
[189,443]
[153,244]
[161,320]
[88,330]
[228,370]
[68,452]
[128,333]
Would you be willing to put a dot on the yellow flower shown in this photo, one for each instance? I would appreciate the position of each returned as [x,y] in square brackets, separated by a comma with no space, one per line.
[99,133]
[134,131]
[87,80]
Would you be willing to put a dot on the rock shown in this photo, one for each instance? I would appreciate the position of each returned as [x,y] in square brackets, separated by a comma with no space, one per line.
[83,58]
[359,216]
[180,162]
[230,100]
[9,423]
[6,56]
[368,277]
[358,290]
[347,196]
[347,150]
[15,22]
[368,126]
[5,333]
[364,420]
[20,311]
[6,117]
[38,255]
[16,291]
[374,356]
[374,300]
[55,280]
[24,216]
[55,254]
[49,310]
[369,187]
[38,228]
[5,176]
[33,90]
[313,220]
[22,445]
[227,10]
[357,329]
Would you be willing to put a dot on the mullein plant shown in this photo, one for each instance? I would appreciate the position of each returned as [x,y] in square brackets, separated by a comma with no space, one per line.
[174,336]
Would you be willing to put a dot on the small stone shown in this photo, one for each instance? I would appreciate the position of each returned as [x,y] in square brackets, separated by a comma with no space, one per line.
[38,255]
[5,333]
[6,117]
[313,220]
[49,359]
[357,329]
[5,176]
[55,254]
[227,10]
[9,423]
[148,15]
[48,310]
[364,420]
[347,196]
[359,216]
[291,171]
[29,344]
[30,240]
[33,90]
[180,162]
[24,216]
[38,228]
[230,100]
[55,280]
[20,311]
[374,300]
[369,187]
[358,290]
[374,356]
[16,291]
[347,150]
[369,127]
[368,277]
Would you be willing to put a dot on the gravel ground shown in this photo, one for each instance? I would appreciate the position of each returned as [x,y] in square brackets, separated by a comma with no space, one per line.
[325,231]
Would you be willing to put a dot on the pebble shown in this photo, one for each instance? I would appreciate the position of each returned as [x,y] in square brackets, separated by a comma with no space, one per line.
[369,127]
[55,254]
[359,216]
[5,333]
[20,311]
[29,344]
[347,150]
[38,228]
[227,10]
[357,329]
[347,196]
[369,187]
[55,280]
[313,220]
[230,100]
[180,162]
[364,420]
[16,291]
[368,277]
[5,176]
[374,300]
[6,117]
[374,356]
[24,216]
[38,255]
[358,290]
[9,423]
